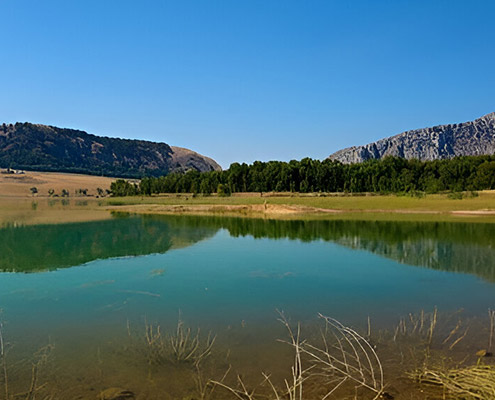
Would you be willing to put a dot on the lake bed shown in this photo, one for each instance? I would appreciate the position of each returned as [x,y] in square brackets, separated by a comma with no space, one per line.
[92,288]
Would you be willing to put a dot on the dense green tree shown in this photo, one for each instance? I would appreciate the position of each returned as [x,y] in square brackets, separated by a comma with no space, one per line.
[389,175]
[121,187]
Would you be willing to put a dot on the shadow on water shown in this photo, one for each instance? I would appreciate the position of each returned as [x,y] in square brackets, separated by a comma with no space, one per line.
[454,247]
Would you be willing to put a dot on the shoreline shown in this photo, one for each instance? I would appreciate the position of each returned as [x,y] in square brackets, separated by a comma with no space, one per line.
[285,211]
[312,206]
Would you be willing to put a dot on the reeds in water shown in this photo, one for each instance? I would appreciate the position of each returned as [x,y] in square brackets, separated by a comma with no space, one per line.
[470,383]
[183,345]
[39,360]
[345,357]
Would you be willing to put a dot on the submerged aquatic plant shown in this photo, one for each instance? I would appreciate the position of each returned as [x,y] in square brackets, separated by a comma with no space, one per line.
[39,360]
[187,346]
[182,346]
[344,357]
[350,358]
[491,316]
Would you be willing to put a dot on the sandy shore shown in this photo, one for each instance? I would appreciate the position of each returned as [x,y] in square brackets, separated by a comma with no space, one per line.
[276,210]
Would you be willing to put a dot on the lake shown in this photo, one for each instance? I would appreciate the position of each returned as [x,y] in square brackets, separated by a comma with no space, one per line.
[92,289]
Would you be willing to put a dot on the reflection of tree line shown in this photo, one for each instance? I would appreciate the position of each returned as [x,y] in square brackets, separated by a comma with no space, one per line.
[45,247]
[457,247]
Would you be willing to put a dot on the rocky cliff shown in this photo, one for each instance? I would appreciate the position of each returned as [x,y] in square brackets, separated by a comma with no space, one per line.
[443,141]
[48,148]
[186,159]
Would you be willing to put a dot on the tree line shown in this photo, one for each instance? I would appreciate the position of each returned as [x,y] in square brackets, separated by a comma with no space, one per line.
[387,175]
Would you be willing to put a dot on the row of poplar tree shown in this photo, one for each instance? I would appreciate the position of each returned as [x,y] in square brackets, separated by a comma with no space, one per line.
[388,175]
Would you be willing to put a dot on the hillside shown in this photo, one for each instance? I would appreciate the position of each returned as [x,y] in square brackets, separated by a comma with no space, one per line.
[48,148]
[439,142]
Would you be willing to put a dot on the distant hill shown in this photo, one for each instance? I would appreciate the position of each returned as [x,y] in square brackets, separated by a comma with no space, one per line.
[443,141]
[48,148]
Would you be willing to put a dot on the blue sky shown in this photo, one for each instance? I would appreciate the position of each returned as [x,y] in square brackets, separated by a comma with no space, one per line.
[243,80]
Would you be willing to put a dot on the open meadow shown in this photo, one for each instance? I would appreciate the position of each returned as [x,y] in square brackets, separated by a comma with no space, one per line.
[88,199]
[479,206]
[20,184]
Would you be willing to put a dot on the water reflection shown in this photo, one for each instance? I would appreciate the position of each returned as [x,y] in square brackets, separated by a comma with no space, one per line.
[454,247]
[47,247]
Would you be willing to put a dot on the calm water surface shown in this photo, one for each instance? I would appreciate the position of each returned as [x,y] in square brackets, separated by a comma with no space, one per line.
[80,285]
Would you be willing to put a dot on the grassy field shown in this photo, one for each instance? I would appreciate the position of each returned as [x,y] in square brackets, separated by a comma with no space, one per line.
[19,185]
[18,204]
[430,203]
[439,207]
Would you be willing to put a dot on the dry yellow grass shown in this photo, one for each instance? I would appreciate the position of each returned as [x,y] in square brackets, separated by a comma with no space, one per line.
[19,185]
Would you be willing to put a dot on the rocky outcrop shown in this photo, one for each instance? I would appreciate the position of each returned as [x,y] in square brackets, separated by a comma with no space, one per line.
[187,159]
[443,141]
[48,148]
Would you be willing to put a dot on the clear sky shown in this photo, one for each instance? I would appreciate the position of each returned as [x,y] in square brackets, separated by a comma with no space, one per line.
[245,80]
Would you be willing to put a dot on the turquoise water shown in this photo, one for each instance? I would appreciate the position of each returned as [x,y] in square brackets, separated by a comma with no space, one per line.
[79,285]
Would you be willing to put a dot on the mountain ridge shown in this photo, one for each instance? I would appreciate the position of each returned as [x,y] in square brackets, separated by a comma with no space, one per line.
[470,138]
[50,148]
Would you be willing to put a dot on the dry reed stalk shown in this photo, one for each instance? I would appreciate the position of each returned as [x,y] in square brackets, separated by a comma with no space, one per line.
[491,315]
[452,332]
[295,388]
[206,389]
[470,383]
[433,323]
[182,346]
[417,324]
[242,393]
[186,347]
[154,342]
[42,358]
[414,322]
[355,359]
[3,356]
[356,362]
[459,339]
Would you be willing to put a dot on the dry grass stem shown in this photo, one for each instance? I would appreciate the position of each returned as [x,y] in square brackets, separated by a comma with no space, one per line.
[422,325]
[491,315]
[206,387]
[470,383]
[352,358]
[182,346]
[452,332]
[3,356]
[433,323]
[187,347]
[459,339]
[345,357]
